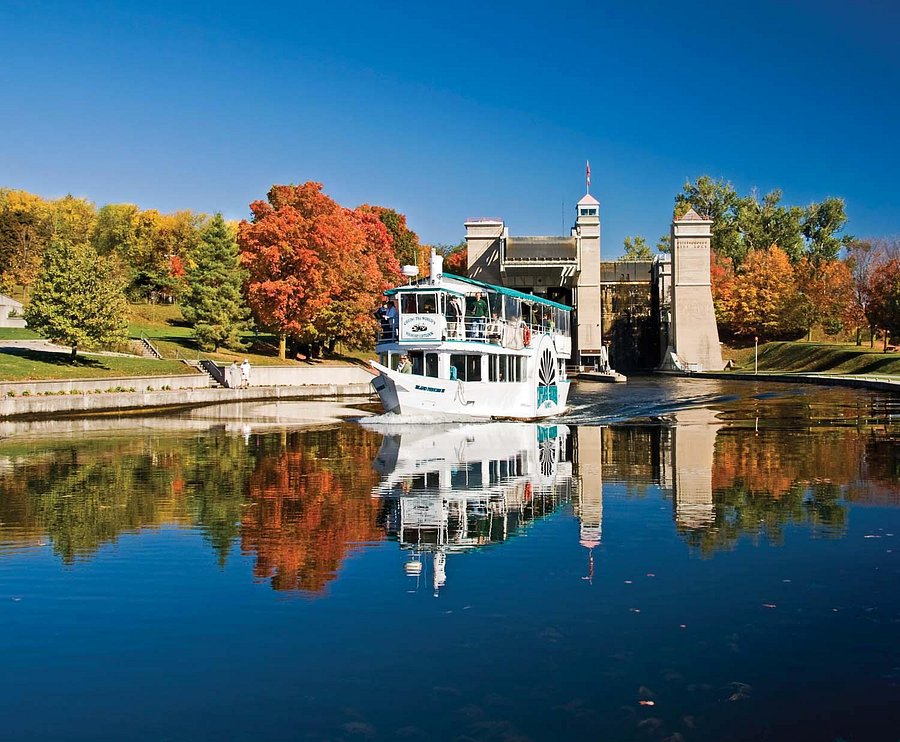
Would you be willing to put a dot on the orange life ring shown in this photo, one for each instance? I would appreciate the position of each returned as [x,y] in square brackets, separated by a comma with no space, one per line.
[526,335]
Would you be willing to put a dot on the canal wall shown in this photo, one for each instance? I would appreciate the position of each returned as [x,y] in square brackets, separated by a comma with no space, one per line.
[859,382]
[113,395]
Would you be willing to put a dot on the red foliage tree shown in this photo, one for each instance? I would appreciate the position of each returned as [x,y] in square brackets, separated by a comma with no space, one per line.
[883,306]
[316,270]
[457,260]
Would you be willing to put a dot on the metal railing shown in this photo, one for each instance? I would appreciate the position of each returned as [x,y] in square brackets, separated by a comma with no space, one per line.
[491,331]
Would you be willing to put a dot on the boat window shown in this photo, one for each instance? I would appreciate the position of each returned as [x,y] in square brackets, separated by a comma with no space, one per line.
[473,368]
[418,362]
[468,367]
[431,365]
[427,303]
[511,306]
[408,304]
[495,304]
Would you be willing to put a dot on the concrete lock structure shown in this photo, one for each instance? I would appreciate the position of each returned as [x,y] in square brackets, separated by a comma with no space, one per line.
[632,314]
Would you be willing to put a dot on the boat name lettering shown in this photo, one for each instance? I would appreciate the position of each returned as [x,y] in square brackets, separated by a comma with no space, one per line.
[428,388]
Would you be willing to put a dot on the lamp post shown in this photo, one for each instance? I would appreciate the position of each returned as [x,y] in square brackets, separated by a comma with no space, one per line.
[755,354]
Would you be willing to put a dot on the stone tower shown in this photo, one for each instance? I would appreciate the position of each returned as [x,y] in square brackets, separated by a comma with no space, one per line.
[587,290]
[694,335]
[483,242]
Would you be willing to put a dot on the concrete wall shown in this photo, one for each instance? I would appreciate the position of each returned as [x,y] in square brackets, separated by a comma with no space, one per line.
[87,386]
[305,376]
[483,249]
[81,404]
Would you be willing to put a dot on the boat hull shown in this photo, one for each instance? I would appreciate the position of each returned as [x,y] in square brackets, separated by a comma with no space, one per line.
[415,396]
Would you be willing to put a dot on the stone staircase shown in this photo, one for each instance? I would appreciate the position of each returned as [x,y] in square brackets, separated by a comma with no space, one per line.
[143,347]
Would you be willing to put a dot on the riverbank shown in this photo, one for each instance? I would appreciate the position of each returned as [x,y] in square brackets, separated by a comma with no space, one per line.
[23,400]
[881,383]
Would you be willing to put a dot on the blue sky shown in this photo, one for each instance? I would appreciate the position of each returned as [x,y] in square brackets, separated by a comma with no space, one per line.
[446,111]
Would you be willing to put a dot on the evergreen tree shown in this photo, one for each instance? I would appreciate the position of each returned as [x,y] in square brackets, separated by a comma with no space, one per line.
[213,302]
[78,298]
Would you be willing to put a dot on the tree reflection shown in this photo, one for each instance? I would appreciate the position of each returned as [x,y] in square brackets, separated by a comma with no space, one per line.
[310,505]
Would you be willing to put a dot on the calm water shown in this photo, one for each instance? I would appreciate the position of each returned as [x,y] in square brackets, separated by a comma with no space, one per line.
[675,560]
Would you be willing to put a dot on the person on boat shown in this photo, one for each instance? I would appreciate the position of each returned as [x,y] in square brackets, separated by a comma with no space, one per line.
[405,367]
[392,317]
[457,328]
[493,329]
[381,314]
[479,313]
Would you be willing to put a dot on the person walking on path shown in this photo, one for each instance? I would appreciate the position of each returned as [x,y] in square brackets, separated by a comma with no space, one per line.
[245,374]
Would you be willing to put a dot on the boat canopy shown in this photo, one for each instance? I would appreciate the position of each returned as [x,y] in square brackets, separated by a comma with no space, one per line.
[509,292]
[422,287]
[478,284]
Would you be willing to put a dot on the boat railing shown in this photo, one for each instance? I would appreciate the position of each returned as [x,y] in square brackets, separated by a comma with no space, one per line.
[494,331]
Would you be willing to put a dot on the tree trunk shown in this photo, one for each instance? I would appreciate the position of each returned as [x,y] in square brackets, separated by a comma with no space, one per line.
[282,346]
[858,335]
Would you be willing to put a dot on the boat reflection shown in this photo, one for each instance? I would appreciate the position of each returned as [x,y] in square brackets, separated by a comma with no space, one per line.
[449,489]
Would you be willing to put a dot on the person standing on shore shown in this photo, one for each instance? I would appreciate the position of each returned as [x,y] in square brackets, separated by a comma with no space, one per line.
[234,376]
[245,374]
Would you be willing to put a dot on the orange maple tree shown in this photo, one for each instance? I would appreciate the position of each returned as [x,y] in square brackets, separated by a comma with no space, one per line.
[316,269]
[761,299]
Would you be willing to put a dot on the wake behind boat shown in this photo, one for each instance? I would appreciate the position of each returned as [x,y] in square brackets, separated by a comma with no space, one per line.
[453,347]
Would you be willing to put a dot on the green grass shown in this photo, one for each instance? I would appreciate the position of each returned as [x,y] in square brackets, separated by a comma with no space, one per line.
[165,327]
[23,364]
[18,333]
[806,357]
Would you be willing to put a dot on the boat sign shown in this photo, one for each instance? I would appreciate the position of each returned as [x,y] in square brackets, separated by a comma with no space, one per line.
[421,327]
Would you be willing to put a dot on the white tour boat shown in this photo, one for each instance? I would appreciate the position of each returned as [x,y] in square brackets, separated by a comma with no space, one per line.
[474,350]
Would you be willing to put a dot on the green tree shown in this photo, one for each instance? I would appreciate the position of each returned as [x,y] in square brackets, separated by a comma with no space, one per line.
[764,222]
[664,243]
[820,225]
[213,302]
[716,200]
[78,298]
[636,248]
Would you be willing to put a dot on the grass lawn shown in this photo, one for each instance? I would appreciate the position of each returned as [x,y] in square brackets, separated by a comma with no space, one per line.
[812,357]
[164,326]
[24,364]
[18,333]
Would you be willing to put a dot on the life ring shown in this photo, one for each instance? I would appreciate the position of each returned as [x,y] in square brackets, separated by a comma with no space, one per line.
[526,335]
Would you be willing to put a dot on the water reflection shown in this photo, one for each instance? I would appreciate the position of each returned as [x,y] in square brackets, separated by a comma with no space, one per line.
[298,502]
[453,488]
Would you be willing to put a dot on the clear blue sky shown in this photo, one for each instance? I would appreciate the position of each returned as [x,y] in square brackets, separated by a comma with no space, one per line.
[445,111]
